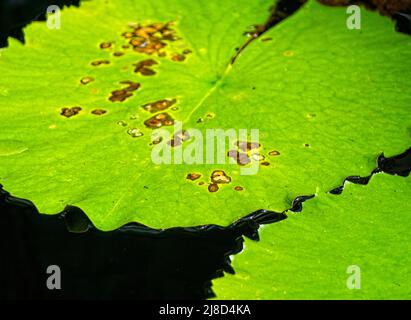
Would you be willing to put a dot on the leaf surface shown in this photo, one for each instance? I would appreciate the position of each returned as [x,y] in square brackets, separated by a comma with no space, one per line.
[328,99]
[308,255]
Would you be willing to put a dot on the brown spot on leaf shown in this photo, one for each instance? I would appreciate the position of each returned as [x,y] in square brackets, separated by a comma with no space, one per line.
[86,80]
[119,92]
[233,154]
[105,45]
[274,153]
[238,188]
[178,57]
[241,158]
[136,42]
[147,72]
[122,94]
[151,38]
[127,35]
[160,105]
[98,112]
[187,51]
[179,138]
[118,54]
[99,63]
[159,120]
[157,140]
[219,176]
[159,25]
[143,67]
[174,143]
[145,50]
[69,112]
[265,163]
[135,133]
[182,135]
[247,146]
[132,86]
[116,97]
[160,116]
[193,176]
[146,63]
[213,187]
[144,32]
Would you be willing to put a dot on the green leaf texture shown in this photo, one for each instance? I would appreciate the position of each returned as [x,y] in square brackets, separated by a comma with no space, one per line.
[307,255]
[328,99]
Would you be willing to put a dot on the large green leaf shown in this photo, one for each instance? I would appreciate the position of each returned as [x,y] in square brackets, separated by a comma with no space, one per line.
[307,255]
[327,98]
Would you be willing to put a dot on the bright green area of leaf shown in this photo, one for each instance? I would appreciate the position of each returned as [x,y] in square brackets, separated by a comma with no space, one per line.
[307,255]
[342,92]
